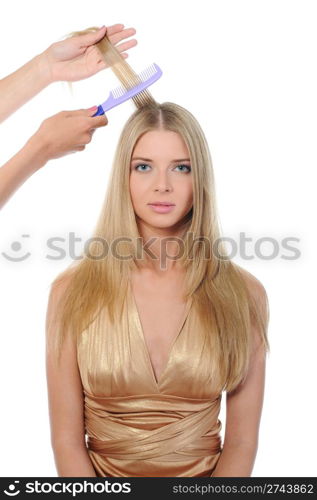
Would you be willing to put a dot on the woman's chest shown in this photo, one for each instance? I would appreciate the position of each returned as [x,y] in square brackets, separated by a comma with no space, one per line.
[159,348]
[161,313]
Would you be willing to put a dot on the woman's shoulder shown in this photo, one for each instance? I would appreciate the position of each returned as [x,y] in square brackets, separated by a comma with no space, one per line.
[254,285]
[61,283]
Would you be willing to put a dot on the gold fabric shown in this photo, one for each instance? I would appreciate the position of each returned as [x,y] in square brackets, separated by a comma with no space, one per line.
[137,426]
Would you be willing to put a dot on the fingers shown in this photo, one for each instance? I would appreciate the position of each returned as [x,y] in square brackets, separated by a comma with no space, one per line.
[121,35]
[92,38]
[74,112]
[98,121]
[114,29]
[126,45]
[94,122]
[85,124]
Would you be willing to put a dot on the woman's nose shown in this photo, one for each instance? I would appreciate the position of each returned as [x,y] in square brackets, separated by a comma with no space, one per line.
[162,182]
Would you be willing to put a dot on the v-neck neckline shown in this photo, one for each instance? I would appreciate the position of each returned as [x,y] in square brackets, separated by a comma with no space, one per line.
[137,318]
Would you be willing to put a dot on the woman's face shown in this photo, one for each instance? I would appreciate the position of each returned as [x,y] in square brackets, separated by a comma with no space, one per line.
[160,172]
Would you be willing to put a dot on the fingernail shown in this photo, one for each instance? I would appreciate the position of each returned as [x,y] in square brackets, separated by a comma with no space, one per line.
[94,107]
[101,27]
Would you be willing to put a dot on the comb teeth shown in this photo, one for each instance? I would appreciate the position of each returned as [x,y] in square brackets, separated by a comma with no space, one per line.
[147,72]
[121,94]
[145,75]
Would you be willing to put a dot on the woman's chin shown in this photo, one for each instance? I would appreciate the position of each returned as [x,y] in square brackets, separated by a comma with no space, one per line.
[160,222]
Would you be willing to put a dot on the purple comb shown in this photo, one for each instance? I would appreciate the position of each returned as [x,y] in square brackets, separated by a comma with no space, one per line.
[121,94]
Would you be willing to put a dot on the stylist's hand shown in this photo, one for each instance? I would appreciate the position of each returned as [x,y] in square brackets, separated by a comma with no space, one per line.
[61,134]
[77,57]
[66,132]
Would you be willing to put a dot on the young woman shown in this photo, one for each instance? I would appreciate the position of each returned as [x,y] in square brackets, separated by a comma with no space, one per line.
[147,330]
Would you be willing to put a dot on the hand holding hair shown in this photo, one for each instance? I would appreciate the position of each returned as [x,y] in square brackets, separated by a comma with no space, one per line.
[78,57]
[72,59]
[61,134]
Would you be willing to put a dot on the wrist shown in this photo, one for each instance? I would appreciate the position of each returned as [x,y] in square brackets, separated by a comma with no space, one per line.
[44,69]
[37,152]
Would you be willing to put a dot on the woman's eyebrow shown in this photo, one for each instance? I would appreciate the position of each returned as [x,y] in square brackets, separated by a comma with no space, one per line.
[149,159]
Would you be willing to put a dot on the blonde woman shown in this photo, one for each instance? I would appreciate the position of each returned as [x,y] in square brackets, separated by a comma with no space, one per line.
[147,330]
[68,131]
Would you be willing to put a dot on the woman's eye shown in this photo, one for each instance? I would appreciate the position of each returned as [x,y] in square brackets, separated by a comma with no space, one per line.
[186,166]
[141,165]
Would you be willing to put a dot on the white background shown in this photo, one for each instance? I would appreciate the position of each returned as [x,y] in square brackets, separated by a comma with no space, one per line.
[247,71]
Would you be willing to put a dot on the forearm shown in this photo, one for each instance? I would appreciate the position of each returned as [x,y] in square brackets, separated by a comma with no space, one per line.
[235,461]
[19,87]
[73,461]
[19,168]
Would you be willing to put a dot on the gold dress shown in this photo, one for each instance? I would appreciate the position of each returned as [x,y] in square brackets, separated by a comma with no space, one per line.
[137,426]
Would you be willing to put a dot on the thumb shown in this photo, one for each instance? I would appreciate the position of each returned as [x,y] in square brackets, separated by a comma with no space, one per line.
[91,38]
[91,111]
[83,111]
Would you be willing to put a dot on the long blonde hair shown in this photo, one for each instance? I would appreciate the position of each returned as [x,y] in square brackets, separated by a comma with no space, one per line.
[227,308]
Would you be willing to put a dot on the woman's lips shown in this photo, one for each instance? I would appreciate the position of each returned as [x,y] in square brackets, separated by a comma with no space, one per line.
[161,209]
